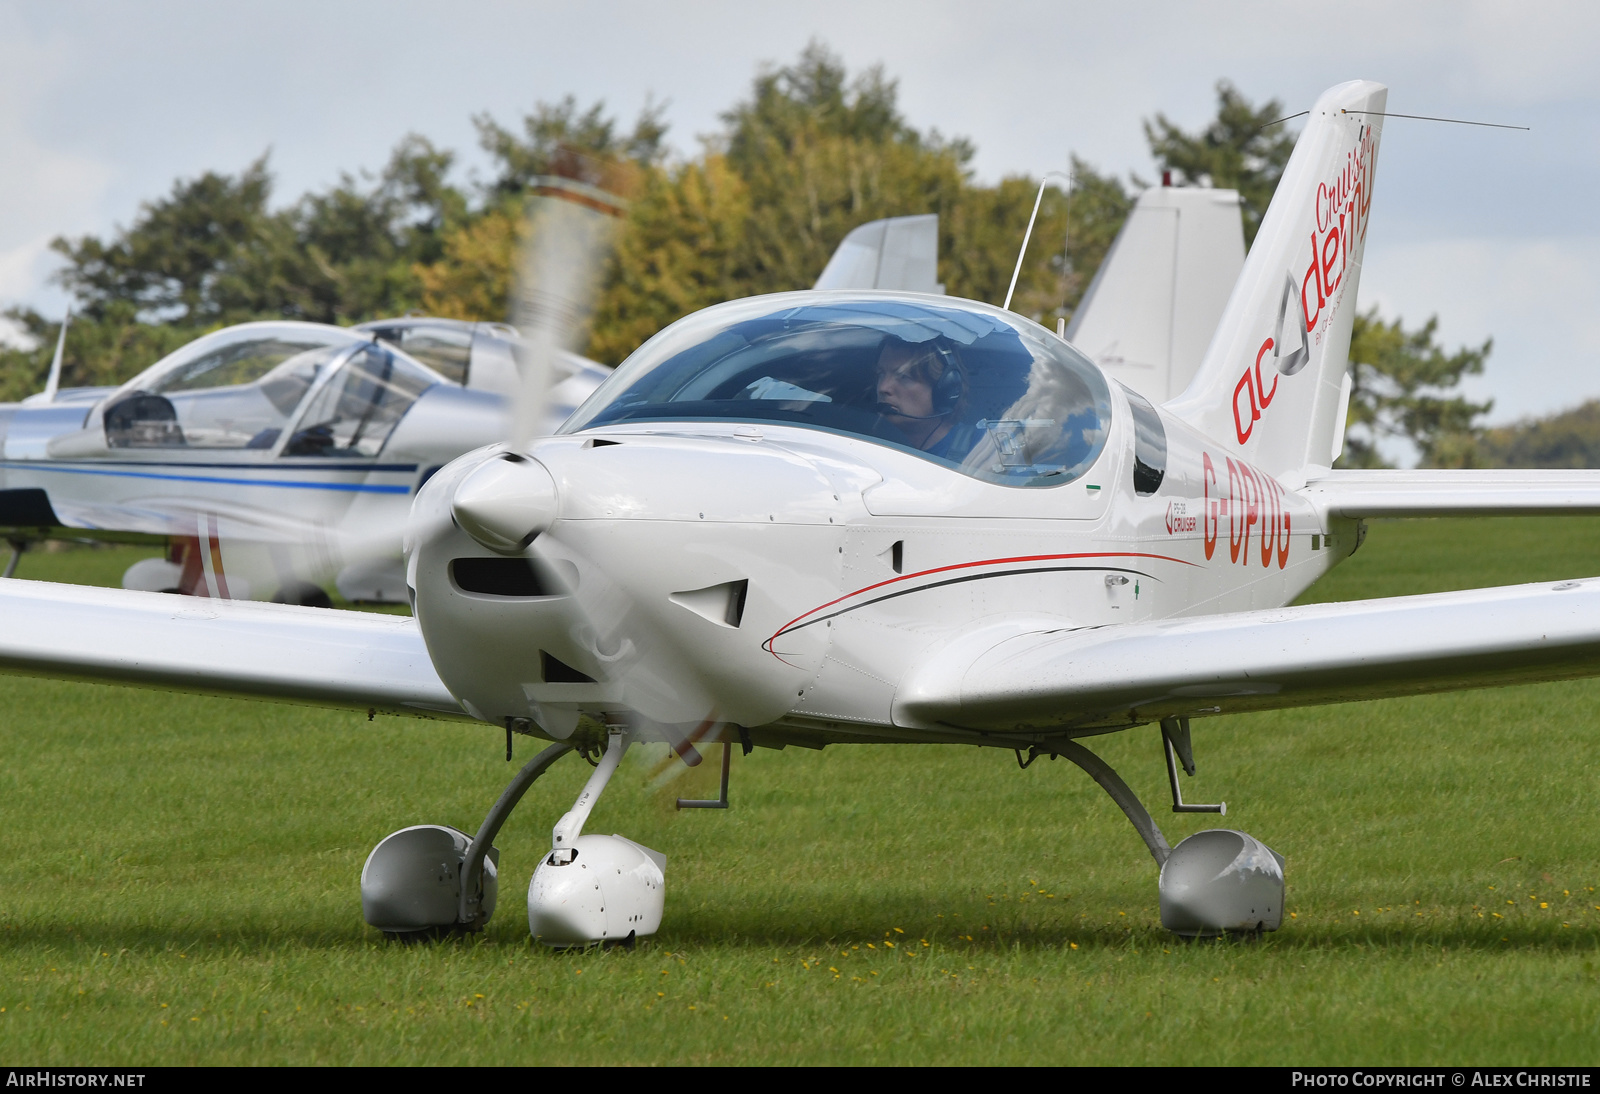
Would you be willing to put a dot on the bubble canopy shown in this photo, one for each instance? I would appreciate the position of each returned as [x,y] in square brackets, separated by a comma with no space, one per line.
[282,388]
[974,388]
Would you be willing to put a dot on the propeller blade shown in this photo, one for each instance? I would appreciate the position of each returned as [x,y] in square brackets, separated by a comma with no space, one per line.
[664,695]
[567,238]
[510,504]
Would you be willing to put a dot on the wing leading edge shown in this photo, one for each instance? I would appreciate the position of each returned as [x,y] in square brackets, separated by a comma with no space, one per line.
[275,652]
[1051,681]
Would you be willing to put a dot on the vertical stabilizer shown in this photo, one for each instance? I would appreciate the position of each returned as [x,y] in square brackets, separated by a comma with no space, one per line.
[52,383]
[1154,304]
[1272,387]
[898,253]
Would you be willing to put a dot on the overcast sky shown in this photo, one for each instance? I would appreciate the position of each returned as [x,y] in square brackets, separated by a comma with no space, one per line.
[103,105]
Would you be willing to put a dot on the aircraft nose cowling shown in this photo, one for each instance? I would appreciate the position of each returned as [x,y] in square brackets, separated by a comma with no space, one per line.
[505,503]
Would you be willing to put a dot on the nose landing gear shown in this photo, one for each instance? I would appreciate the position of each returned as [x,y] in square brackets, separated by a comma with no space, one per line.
[432,879]
[595,888]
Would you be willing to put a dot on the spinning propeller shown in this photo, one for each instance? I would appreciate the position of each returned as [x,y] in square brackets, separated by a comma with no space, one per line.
[588,887]
[511,504]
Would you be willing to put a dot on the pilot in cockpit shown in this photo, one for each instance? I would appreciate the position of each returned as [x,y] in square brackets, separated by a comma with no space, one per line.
[921,390]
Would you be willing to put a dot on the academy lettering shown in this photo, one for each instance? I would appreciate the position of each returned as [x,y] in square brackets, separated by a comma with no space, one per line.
[1257,396]
[1340,219]
[1342,208]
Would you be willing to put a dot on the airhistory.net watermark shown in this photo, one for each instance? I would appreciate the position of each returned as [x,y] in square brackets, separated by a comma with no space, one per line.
[71,1077]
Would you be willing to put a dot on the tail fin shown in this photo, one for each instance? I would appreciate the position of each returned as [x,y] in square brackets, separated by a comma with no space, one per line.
[52,383]
[1149,314]
[897,253]
[1274,385]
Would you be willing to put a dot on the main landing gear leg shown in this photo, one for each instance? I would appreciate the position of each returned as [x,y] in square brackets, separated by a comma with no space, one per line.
[432,879]
[17,547]
[1215,882]
[1102,773]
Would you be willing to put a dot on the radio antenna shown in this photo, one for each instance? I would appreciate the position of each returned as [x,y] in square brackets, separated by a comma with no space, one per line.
[1413,117]
[1029,233]
[1452,121]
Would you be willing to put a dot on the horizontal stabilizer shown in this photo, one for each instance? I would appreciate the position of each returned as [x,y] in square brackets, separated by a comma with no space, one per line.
[1053,680]
[1453,493]
[276,652]
[900,253]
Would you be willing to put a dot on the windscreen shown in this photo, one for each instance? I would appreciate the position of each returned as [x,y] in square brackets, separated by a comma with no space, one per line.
[356,410]
[967,386]
[236,388]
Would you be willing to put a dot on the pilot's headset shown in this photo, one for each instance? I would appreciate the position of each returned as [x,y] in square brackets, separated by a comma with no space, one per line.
[948,389]
[952,382]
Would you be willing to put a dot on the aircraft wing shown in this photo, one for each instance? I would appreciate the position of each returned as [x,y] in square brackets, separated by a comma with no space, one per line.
[1040,680]
[275,652]
[1447,493]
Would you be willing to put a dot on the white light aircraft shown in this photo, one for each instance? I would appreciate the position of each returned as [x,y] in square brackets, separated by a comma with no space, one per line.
[266,457]
[270,458]
[820,518]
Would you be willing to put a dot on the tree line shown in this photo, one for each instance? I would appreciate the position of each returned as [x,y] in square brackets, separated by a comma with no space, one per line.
[809,154]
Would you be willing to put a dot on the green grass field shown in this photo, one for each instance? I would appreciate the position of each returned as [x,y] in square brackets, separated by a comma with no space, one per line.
[178,882]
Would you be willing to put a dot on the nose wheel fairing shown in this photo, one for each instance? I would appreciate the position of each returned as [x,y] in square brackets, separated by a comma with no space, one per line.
[610,890]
